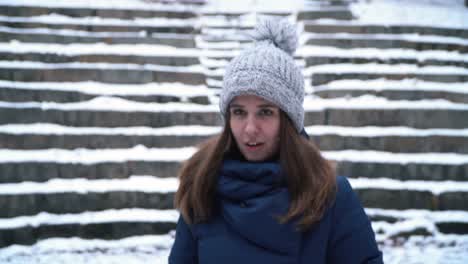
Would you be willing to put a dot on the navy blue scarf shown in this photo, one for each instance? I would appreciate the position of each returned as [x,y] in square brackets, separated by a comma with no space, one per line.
[252,197]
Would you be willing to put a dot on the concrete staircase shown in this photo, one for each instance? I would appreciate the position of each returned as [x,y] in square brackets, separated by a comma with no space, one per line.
[88,96]
[99,106]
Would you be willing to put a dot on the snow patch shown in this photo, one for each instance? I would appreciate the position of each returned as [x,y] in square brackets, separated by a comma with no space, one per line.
[94,156]
[436,187]
[385,84]
[54,129]
[374,131]
[147,184]
[86,218]
[97,88]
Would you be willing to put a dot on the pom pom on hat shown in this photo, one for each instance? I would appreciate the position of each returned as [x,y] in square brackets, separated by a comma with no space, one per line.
[279,32]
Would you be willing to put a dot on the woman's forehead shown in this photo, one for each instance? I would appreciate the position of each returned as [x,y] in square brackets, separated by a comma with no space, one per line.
[250,99]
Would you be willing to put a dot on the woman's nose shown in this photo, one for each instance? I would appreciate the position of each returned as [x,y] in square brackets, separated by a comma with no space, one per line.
[251,126]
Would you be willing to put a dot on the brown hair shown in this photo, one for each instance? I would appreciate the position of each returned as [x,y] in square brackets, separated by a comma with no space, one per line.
[310,178]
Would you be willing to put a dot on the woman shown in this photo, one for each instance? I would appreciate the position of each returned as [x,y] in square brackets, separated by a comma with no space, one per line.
[261,192]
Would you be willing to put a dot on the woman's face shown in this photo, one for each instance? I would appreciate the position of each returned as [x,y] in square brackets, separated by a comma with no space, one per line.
[255,125]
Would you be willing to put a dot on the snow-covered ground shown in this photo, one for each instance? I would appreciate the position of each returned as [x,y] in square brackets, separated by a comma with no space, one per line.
[155,249]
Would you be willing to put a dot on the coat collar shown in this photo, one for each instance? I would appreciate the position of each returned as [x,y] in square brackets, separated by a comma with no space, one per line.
[252,196]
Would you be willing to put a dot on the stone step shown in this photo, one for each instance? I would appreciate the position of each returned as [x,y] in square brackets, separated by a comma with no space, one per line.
[45,35]
[403,195]
[44,171]
[101,72]
[129,27]
[404,171]
[106,58]
[59,196]
[42,165]
[403,200]
[338,13]
[333,59]
[375,111]
[396,94]
[99,112]
[368,111]
[183,2]
[396,143]
[230,15]
[109,224]
[65,203]
[32,141]
[25,95]
[326,73]
[112,230]
[31,137]
[100,52]
[318,55]
[107,118]
[360,28]
[387,41]
[166,11]
[23,204]
[323,77]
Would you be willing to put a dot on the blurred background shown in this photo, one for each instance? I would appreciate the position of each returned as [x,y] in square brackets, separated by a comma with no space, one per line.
[101,101]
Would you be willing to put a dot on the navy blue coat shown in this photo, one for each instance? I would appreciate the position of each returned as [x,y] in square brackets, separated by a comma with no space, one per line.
[244,229]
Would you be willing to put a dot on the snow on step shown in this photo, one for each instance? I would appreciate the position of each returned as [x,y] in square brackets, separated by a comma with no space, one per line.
[94,156]
[56,19]
[382,54]
[441,248]
[384,229]
[151,184]
[92,4]
[55,129]
[98,66]
[433,216]
[375,102]
[196,130]
[374,131]
[104,103]
[58,248]
[399,158]
[83,33]
[147,184]
[403,85]
[376,68]
[103,48]
[97,88]
[403,37]
[396,23]
[436,187]
[131,250]
[142,153]
[105,216]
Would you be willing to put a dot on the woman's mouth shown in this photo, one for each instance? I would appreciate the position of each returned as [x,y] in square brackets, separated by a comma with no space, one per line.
[253,146]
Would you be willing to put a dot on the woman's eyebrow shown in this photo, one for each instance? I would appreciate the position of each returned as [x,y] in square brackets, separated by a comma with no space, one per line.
[267,105]
[236,105]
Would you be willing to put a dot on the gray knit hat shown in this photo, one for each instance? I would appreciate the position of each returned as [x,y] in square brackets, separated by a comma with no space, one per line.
[268,70]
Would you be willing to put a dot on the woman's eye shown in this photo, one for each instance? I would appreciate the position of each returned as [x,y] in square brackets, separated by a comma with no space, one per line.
[266,112]
[237,112]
